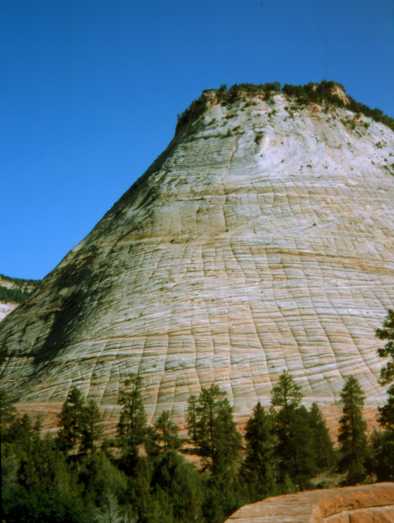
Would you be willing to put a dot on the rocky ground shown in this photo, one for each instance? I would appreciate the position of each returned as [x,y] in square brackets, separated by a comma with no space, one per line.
[363,504]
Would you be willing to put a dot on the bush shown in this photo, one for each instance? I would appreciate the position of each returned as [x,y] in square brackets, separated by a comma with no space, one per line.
[319,93]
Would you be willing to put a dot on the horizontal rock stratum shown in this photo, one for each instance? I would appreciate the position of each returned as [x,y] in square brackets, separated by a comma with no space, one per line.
[261,240]
[364,504]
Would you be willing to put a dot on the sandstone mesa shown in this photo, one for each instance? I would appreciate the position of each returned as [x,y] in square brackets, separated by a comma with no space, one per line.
[261,240]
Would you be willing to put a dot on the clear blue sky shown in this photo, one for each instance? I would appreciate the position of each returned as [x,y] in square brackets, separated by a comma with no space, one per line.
[90,91]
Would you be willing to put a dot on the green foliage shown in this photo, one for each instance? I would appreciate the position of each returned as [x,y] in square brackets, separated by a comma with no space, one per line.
[352,433]
[286,393]
[386,413]
[321,442]
[212,428]
[132,426]
[387,333]
[322,93]
[297,461]
[293,425]
[181,484]
[383,455]
[80,425]
[163,436]
[20,290]
[101,479]
[7,410]
[383,443]
[13,295]
[71,479]
[259,472]
[45,490]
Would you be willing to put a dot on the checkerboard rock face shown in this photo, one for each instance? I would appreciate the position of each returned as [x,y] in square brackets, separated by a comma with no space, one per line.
[261,240]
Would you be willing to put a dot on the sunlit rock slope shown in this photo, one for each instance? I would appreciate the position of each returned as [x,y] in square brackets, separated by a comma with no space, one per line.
[262,239]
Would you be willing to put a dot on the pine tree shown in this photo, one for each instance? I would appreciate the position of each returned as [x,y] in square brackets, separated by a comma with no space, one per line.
[132,426]
[80,425]
[321,441]
[286,393]
[219,444]
[180,483]
[191,417]
[387,333]
[91,430]
[296,458]
[163,436]
[383,455]
[259,469]
[352,433]
[292,430]
[7,410]
[384,444]
[386,413]
[7,416]
[69,434]
[213,429]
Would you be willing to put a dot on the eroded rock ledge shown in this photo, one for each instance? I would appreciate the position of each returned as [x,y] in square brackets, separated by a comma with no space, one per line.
[364,504]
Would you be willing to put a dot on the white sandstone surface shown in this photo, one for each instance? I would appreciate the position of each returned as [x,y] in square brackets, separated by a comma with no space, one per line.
[6,308]
[263,240]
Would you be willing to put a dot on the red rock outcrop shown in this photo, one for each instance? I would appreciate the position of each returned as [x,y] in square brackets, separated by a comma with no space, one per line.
[363,504]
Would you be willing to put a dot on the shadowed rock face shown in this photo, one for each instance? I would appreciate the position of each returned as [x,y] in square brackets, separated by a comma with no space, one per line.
[261,240]
[366,504]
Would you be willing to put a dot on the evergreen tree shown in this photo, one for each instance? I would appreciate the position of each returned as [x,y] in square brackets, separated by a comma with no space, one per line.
[7,410]
[352,433]
[46,490]
[286,393]
[132,426]
[296,458]
[214,431]
[163,436]
[387,333]
[321,442]
[219,444]
[383,442]
[191,418]
[383,455]
[100,479]
[80,425]
[180,483]
[7,416]
[91,430]
[292,430]
[259,469]
[69,434]
[386,413]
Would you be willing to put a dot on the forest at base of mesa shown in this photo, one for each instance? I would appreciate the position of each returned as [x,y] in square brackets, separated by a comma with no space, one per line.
[149,474]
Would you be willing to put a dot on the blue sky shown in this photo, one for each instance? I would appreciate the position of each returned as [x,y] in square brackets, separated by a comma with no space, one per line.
[91,89]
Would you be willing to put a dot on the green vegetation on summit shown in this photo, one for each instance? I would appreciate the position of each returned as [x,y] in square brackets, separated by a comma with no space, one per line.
[16,290]
[324,93]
